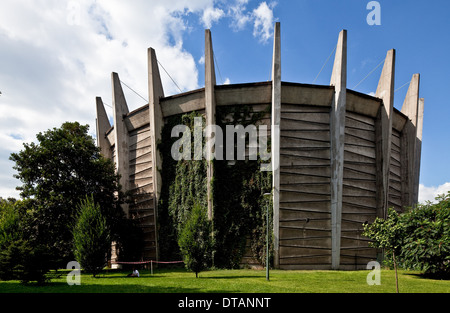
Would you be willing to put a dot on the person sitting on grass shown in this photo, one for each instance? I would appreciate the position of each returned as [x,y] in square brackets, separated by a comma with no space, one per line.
[134,274]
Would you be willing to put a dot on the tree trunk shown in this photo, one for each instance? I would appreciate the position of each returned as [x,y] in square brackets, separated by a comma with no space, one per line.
[395,268]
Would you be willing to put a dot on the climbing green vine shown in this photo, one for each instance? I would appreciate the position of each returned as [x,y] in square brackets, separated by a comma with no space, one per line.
[238,187]
[184,185]
[239,204]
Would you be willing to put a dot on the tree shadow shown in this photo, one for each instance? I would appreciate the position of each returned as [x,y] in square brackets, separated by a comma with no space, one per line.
[427,276]
[232,277]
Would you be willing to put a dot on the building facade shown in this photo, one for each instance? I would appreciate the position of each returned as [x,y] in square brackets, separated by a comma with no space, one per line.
[339,158]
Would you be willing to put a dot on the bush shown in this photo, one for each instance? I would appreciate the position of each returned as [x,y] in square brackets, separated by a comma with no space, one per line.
[195,241]
[91,237]
[9,223]
[25,262]
[419,239]
[426,245]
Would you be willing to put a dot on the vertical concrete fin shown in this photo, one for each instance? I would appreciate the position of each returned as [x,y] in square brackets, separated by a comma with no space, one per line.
[121,159]
[385,91]
[275,137]
[103,126]
[337,139]
[411,102]
[119,102]
[409,141]
[420,119]
[418,155]
[155,92]
[210,73]
[210,112]
[339,74]
[154,78]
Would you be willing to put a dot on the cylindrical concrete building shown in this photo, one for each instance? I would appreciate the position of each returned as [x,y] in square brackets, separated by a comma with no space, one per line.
[339,158]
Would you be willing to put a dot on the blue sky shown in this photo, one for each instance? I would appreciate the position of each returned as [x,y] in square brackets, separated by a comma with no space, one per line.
[57,56]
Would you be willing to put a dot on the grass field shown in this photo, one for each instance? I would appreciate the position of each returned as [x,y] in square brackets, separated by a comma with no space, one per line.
[235,281]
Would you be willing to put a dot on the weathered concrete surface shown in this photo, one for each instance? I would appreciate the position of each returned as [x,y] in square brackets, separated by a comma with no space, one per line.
[337,131]
[244,94]
[210,110]
[275,130]
[120,110]
[184,103]
[418,155]
[329,153]
[103,126]
[409,142]
[385,91]
[156,122]
[300,93]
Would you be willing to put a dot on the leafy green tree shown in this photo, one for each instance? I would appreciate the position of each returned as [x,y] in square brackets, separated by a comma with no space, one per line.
[9,234]
[9,223]
[426,245]
[91,237]
[56,173]
[387,234]
[195,240]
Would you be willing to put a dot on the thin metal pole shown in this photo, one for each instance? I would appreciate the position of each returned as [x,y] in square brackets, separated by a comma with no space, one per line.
[267,238]
[267,243]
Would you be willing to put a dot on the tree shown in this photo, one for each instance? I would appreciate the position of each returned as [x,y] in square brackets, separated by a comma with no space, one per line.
[195,240]
[56,173]
[91,237]
[20,258]
[9,223]
[426,245]
[387,234]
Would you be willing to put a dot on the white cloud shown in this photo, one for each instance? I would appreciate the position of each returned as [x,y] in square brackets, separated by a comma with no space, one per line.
[430,193]
[263,21]
[212,15]
[239,16]
[227,81]
[57,56]
[261,17]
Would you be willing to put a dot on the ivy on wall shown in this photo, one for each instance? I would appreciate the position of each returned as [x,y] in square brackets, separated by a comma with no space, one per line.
[184,184]
[239,202]
[239,222]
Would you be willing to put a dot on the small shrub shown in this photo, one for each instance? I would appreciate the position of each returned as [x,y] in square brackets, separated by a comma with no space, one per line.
[426,246]
[195,241]
[25,262]
[91,237]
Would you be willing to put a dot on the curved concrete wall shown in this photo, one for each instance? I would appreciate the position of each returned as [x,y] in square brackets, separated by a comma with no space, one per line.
[344,157]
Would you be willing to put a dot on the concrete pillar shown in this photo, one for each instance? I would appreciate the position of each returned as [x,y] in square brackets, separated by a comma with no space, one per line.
[210,112]
[385,91]
[418,155]
[337,137]
[121,158]
[155,92]
[409,142]
[103,126]
[275,140]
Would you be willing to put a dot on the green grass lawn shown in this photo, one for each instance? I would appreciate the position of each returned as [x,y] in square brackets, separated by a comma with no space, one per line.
[236,281]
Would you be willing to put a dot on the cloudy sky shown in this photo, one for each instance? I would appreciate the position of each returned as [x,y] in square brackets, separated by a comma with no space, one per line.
[57,56]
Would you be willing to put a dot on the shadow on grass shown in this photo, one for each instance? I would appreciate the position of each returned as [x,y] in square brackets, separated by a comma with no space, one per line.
[232,277]
[116,282]
[64,288]
[428,276]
